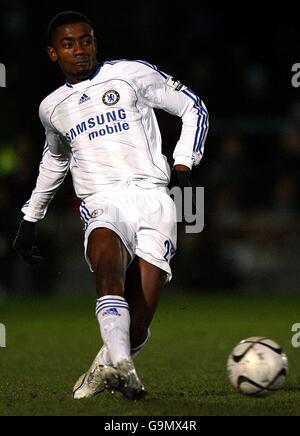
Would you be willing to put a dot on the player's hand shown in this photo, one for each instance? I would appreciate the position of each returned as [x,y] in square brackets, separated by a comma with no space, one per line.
[25,243]
[181,178]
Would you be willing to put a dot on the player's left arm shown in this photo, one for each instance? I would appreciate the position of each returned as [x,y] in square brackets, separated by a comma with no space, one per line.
[162,91]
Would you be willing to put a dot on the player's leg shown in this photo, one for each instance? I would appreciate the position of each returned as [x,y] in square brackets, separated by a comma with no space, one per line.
[109,260]
[155,246]
[142,290]
[143,286]
[144,282]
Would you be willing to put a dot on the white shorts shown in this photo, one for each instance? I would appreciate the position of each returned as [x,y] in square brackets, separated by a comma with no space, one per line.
[143,218]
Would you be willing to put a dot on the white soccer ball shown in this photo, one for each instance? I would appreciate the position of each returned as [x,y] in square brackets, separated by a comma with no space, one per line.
[257,366]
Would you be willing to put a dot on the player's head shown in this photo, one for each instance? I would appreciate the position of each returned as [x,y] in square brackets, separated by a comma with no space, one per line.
[72,43]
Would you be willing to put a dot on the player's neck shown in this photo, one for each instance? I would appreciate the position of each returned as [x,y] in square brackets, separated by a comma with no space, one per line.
[73,80]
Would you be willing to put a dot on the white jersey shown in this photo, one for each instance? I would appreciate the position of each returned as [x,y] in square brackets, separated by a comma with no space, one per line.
[104,130]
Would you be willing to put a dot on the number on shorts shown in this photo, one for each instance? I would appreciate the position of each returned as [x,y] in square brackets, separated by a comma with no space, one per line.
[170,251]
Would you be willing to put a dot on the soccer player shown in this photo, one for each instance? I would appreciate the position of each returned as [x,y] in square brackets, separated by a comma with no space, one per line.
[101,126]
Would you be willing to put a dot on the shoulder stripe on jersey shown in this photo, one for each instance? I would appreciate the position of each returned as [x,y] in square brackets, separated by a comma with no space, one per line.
[202,124]
[115,62]
[154,67]
[203,118]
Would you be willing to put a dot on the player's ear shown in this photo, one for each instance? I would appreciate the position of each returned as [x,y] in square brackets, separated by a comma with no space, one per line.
[52,54]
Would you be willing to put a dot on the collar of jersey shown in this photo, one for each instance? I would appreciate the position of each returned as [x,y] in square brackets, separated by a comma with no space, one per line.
[77,85]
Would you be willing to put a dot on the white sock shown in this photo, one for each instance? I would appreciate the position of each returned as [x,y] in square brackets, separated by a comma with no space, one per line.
[103,357]
[114,320]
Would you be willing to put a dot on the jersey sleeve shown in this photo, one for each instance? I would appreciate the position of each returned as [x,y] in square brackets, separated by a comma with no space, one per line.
[53,170]
[161,91]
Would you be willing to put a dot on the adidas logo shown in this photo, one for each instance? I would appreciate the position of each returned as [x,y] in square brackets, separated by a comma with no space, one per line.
[84,99]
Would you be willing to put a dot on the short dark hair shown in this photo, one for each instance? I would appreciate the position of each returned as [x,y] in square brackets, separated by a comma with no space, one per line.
[66,17]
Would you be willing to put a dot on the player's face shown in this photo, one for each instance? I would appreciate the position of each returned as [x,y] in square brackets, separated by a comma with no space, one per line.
[74,47]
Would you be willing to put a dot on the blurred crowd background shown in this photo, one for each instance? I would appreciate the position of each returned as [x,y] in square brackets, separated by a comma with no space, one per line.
[240,64]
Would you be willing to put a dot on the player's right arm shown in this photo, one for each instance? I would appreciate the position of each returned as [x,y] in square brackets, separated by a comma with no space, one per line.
[53,170]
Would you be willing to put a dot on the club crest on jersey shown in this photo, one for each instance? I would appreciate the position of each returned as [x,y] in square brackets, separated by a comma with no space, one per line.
[175,84]
[111,98]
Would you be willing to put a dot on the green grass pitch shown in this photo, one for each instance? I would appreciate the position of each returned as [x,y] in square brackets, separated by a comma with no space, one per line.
[50,342]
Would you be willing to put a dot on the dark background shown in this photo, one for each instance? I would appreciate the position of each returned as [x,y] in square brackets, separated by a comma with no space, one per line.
[239,62]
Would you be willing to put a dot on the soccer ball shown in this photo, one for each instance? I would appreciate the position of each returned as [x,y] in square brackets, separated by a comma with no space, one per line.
[257,366]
